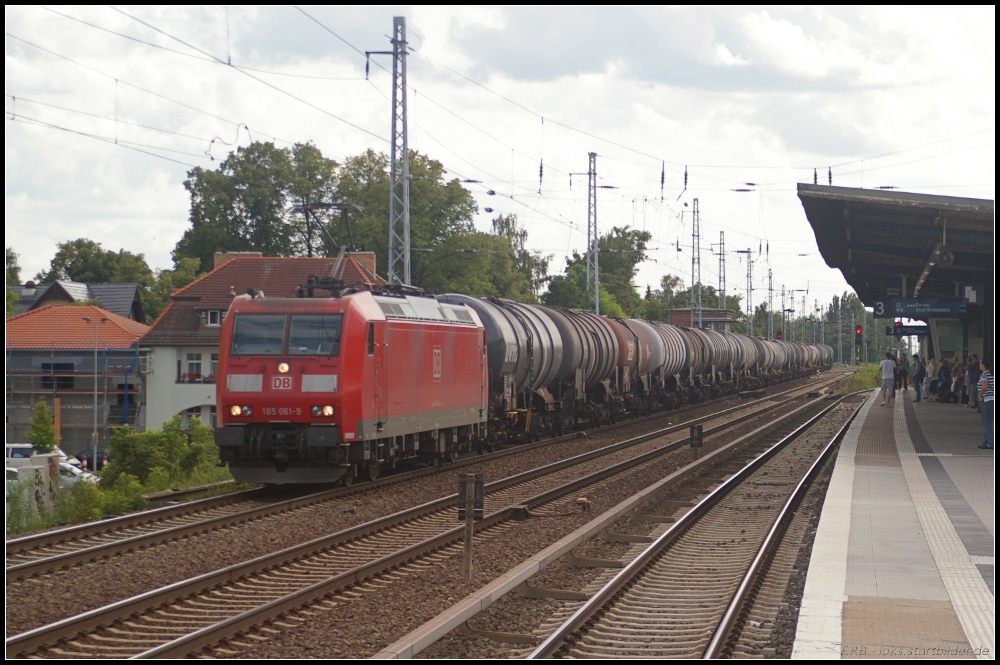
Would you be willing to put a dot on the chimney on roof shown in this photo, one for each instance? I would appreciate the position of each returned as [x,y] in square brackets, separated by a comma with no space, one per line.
[222,258]
[29,288]
[365,259]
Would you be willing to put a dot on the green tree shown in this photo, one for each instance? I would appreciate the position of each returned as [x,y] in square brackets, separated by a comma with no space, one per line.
[313,183]
[84,260]
[168,281]
[570,290]
[439,208]
[240,207]
[13,277]
[531,264]
[42,434]
[474,263]
[621,251]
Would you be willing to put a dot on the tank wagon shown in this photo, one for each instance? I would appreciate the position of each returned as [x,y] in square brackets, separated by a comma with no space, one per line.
[319,389]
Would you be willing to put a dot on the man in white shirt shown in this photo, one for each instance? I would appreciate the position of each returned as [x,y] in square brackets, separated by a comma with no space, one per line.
[888,367]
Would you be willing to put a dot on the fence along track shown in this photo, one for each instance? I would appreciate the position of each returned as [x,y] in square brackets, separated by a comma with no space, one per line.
[668,601]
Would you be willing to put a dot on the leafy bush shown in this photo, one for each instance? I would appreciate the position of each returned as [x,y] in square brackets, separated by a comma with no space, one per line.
[172,450]
[126,494]
[83,502]
[157,480]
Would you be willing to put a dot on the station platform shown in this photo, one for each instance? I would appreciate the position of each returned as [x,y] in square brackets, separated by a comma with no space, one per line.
[903,561]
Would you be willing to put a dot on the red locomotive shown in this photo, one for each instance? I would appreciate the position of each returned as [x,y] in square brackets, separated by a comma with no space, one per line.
[323,389]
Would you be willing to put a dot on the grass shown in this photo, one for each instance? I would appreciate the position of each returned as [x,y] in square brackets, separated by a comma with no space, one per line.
[83,502]
[87,502]
[868,375]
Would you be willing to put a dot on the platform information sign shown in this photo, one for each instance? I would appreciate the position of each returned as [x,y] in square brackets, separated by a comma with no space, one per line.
[906,331]
[912,307]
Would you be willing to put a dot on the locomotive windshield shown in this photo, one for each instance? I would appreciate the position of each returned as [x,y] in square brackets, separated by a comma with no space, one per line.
[314,335]
[259,335]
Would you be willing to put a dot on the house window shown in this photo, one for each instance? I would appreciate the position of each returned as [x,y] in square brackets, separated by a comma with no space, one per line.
[193,366]
[213,367]
[57,378]
[214,317]
[213,423]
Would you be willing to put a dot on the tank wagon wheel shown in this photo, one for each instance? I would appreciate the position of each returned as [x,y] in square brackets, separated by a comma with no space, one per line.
[453,454]
[348,478]
[372,470]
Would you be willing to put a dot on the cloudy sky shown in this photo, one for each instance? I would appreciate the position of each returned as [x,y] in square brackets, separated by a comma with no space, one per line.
[896,97]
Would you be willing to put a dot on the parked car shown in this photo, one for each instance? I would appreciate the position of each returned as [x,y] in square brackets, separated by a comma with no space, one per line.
[87,461]
[20,454]
[70,475]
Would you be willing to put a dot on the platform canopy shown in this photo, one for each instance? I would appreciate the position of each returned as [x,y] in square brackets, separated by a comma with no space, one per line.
[878,237]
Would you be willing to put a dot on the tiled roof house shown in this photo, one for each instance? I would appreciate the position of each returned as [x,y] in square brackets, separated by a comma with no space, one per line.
[50,355]
[183,342]
[121,299]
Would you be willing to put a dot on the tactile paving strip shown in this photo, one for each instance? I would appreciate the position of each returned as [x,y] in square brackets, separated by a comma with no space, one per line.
[971,598]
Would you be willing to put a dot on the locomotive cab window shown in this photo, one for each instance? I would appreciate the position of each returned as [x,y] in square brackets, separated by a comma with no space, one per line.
[371,339]
[314,335]
[259,334]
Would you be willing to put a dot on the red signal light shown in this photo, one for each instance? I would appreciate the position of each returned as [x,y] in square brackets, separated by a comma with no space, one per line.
[858,331]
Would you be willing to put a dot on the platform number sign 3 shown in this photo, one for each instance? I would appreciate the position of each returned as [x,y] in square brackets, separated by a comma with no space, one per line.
[437,364]
[281,383]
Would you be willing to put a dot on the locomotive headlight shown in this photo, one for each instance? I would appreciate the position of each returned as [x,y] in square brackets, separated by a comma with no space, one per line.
[321,411]
[235,410]
[283,368]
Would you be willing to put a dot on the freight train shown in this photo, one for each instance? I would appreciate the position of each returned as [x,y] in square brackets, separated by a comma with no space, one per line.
[321,389]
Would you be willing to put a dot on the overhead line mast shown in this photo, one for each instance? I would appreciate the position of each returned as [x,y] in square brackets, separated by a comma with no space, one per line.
[593,276]
[399,168]
[696,318]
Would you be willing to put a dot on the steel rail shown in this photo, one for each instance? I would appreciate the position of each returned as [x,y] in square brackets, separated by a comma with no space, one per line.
[209,635]
[141,541]
[718,646]
[41,636]
[557,640]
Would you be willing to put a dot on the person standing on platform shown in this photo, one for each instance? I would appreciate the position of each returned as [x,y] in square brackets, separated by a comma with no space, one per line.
[888,367]
[986,403]
[974,376]
[904,371]
[917,372]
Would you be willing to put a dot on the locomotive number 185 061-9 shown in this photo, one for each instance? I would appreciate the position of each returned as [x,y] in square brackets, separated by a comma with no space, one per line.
[282,411]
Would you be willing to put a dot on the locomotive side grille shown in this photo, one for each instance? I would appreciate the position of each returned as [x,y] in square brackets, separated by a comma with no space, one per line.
[391,309]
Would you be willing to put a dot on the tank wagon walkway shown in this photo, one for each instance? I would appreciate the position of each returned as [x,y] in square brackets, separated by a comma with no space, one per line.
[903,561]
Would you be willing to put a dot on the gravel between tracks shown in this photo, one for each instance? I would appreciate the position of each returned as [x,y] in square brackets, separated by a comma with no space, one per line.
[66,593]
[516,614]
[361,627]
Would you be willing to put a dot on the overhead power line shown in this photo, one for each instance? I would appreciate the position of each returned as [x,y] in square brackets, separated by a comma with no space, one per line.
[255,78]
[140,88]
[197,57]
[105,139]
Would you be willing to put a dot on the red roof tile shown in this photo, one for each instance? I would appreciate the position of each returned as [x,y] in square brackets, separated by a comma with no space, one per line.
[278,277]
[63,327]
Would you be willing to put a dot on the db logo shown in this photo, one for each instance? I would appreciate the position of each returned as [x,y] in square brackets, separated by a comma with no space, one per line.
[281,383]
[437,363]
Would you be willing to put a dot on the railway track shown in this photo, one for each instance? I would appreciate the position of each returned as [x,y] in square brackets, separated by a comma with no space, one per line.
[64,548]
[189,615]
[688,594]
